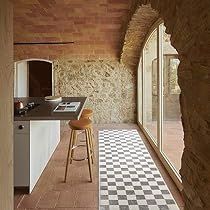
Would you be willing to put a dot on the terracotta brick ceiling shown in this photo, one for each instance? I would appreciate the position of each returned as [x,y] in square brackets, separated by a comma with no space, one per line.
[96,27]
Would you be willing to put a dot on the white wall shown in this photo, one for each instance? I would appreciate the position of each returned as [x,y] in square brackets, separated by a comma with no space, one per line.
[21,87]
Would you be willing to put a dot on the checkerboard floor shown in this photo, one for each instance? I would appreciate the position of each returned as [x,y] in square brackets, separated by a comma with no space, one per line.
[129,178]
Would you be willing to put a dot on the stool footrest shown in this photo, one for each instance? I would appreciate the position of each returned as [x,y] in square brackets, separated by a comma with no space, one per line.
[81,159]
[75,159]
[82,140]
[80,145]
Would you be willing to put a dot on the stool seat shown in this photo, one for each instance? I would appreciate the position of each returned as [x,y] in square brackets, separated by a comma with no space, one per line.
[87,113]
[81,124]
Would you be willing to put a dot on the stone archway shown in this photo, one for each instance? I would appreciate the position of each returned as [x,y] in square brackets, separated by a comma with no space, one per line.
[188,23]
[138,28]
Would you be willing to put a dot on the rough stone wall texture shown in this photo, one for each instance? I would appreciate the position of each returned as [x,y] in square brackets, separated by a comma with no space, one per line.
[109,86]
[141,22]
[188,22]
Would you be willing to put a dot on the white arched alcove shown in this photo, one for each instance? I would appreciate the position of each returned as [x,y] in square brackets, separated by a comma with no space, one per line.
[21,77]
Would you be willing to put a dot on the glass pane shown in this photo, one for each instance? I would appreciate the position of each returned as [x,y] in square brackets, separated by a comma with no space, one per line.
[172,143]
[150,86]
[139,91]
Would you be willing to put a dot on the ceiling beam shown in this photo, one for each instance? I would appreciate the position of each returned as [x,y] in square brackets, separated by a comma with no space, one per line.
[42,43]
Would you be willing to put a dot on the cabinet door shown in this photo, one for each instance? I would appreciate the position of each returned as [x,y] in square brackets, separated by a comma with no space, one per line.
[21,159]
[44,137]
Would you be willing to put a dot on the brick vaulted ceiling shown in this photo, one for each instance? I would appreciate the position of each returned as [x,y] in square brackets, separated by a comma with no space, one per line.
[97,27]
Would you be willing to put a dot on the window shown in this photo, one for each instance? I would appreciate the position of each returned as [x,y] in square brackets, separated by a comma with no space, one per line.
[158,98]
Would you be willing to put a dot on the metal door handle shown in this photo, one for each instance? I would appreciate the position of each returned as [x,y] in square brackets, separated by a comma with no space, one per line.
[21,127]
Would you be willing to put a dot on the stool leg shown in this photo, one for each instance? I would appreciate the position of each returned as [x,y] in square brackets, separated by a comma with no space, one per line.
[91,145]
[74,143]
[93,142]
[89,154]
[69,153]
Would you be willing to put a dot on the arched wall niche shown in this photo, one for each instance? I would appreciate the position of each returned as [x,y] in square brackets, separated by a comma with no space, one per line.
[23,74]
[188,23]
[33,59]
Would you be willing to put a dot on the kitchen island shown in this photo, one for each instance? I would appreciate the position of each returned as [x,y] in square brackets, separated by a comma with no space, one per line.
[36,136]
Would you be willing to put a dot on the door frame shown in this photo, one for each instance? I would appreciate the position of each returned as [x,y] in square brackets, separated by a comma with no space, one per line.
[156,146]
[40,59]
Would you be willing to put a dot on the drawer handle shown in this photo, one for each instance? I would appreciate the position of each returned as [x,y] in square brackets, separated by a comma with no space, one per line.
[21,127]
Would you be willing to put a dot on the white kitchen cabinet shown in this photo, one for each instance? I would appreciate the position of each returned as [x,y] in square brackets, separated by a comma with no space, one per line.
[34,143]
[21,153]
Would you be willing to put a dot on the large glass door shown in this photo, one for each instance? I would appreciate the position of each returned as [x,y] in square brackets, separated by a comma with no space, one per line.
[140,90]
[172,138]
[158,99]
[150,86]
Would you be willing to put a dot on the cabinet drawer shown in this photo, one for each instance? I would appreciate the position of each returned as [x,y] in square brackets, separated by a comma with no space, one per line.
[21,127]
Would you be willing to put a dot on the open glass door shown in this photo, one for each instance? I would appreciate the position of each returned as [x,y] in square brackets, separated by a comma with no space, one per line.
[172,138]
[150,105]
[159,113]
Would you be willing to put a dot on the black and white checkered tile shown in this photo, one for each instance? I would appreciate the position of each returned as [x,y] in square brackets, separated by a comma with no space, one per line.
[129,179]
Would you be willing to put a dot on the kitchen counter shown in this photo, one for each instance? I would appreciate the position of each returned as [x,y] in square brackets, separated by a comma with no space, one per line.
[36,136]
[45,110]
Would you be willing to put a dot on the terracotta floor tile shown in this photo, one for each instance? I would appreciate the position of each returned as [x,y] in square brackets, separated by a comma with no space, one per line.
[79,185]
[86,199]
[29,201]
[91,208]
[49,200]
[66,199]
[62,187]
[18,197]
[46,180]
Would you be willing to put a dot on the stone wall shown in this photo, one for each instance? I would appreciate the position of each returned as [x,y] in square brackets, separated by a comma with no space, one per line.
[109,86]
[140,24]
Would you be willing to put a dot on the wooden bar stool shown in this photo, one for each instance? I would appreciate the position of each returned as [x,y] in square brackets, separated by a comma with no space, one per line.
[87,113]
[75,125]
